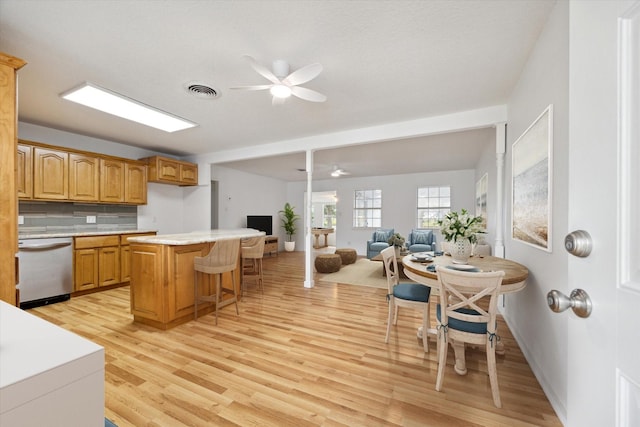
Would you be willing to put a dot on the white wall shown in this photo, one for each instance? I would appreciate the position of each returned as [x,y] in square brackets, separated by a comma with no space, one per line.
[541,334]
[399,201]
[163,211]
[242,194]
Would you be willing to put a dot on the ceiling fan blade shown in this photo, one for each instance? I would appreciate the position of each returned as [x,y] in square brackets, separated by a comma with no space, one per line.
[262,70]
[303,75]
[308,94]
[258,87]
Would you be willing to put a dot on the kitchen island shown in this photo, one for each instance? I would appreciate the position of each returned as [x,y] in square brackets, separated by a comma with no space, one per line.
[162,275]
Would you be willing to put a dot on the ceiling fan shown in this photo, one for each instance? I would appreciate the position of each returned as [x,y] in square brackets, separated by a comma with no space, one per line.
[284,84]
[337,172]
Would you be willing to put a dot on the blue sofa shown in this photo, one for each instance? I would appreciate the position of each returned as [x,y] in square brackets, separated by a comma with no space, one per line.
[421,240]
[378,241]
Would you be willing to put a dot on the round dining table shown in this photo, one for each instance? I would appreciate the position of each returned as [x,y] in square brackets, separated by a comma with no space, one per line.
[514,280]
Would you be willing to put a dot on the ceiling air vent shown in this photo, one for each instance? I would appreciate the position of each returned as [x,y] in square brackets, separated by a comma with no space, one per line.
[202,90]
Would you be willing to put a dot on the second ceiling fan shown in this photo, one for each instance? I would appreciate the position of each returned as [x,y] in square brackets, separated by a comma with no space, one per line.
[284,84]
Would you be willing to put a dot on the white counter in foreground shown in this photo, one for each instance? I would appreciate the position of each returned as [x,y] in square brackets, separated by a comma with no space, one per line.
[196,237]
[48,375]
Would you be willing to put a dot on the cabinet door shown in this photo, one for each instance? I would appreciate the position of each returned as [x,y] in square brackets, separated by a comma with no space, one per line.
[85,269]
[84,177]
[168,170]
[135,188]
[125,263]
[147,287]
[188,173]
[24,178]
[111,181]
[109,266]
[51,174]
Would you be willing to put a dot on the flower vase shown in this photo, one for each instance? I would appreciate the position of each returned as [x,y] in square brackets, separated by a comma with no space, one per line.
[460,250]
[397,249]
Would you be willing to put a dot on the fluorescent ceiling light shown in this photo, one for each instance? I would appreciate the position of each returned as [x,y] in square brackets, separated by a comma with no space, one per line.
[113,103]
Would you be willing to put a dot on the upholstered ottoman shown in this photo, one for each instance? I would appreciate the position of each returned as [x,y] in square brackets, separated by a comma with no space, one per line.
[328,263]
[348,255]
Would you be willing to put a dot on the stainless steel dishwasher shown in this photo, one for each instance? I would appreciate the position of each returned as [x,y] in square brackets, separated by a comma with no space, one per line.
[45,271]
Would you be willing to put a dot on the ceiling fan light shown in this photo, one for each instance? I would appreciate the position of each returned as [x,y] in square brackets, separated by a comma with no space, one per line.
[280,91]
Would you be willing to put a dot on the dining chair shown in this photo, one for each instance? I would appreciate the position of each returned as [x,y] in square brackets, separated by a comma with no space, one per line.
[222,258]
[465,316]
[409,295]
[252,252]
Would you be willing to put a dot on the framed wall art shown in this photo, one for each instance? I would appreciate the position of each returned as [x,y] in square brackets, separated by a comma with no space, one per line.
[531,183]
[481,198]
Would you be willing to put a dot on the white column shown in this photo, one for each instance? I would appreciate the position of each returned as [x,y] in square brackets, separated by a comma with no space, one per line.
[308,250]
[501,145]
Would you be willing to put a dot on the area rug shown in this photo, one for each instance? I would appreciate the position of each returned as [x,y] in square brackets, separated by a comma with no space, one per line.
[363,272]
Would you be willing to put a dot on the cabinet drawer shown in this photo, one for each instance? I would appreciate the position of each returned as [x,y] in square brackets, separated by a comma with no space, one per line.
[96,241]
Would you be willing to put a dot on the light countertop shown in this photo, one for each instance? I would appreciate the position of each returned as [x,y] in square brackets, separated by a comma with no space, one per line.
[80,233]
[198,237]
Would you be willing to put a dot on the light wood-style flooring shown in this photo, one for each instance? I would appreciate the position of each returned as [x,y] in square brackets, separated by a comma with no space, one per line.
[294,357]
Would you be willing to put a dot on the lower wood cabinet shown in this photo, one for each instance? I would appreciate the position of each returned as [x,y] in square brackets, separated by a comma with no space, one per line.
[100,261]
[162,283]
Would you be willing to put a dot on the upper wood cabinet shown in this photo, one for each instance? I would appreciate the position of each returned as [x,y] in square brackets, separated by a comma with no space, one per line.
[111,181]
[135,188]
[24,178]
[51,174]
[45,172]
[84,174]
[171,171]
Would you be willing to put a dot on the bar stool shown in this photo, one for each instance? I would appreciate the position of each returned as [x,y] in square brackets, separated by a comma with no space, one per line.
[221,258]
[252,252]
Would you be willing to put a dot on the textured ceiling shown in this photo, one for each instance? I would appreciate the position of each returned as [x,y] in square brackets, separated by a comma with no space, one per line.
[384,62]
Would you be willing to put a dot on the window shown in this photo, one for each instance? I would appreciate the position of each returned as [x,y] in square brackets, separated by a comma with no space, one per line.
[367,209]
[329,216]
[433,204]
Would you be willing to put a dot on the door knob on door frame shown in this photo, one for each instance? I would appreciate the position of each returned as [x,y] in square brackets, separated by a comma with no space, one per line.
[578,301]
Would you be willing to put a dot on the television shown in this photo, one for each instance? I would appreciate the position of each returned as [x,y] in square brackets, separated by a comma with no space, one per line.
[261,223]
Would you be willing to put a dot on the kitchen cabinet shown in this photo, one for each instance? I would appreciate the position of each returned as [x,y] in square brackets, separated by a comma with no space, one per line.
[111,181]
[9,65]
[125,255]
[171,171]
[84,175]
[51,174]
[96,261]
[24,177]
[45,172]
[162,276]
[135,188]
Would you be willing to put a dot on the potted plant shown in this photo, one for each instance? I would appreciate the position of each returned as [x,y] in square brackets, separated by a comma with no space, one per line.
[460,230]
[397,241]
[289,218]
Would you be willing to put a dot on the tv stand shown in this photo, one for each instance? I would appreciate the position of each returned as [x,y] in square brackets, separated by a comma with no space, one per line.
[271,245]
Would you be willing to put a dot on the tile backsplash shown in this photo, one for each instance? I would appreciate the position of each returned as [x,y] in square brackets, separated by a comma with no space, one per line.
[57,217]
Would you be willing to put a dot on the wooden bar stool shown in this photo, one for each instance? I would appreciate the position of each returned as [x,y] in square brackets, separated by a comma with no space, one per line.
[252,252]
[223,257]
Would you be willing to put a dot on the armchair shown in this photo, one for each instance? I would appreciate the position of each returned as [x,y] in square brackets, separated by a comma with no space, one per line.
[378,241]
[421,240]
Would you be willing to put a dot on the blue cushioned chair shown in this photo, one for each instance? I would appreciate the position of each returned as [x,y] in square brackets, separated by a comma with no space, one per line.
[378,241]
[421,240]
[411,295]
[461,318]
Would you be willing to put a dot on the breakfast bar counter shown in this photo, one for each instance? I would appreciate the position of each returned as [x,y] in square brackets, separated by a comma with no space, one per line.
[162,275]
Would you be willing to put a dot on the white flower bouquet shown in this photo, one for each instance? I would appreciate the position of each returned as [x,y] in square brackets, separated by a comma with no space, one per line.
[460,225]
